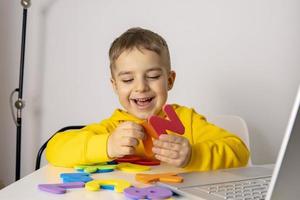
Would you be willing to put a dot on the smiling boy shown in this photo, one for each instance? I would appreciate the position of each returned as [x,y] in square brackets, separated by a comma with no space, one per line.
[141,76]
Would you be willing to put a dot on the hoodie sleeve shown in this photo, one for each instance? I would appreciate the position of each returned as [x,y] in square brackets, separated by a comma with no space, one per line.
[85,146]
[213,147]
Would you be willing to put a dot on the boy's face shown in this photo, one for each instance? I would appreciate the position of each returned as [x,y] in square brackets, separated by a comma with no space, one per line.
[142,81]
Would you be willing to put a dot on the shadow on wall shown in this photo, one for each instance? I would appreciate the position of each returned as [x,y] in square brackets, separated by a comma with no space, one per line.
[38,100]
[1,184]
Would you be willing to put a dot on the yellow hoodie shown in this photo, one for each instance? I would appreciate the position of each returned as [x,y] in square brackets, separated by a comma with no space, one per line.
[212,147]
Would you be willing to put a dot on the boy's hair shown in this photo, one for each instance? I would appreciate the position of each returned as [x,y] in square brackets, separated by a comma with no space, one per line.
[141,39]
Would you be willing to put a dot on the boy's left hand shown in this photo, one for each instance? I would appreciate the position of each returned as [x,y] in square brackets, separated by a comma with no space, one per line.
[172,149]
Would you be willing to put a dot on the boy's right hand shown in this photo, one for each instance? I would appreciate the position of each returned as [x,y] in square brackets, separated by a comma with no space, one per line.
[124,139]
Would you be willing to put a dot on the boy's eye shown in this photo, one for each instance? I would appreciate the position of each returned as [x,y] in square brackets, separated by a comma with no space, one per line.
[127,80]
[154,77]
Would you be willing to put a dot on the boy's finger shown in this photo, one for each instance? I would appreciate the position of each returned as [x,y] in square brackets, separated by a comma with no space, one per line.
[171,138]
[163,159]
[134,134]
[167,145]
[131,125]
[125,150]
[175,162]
[129,141]
[165,152]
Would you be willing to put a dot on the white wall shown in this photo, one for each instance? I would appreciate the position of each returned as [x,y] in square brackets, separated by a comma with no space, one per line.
[231,57]
[10,40]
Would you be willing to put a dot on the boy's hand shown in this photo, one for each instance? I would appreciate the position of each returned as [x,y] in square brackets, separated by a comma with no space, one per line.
[172,149]
[124,139]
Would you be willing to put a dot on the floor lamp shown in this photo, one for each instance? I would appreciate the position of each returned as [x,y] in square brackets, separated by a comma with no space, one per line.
[19,104]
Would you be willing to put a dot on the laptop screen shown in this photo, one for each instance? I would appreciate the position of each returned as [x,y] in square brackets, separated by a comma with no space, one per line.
[286,183]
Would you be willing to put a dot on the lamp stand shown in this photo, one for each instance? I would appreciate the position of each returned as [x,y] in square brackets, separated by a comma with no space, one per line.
[19,104]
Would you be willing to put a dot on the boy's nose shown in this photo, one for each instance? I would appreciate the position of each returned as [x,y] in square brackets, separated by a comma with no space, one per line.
[141,86]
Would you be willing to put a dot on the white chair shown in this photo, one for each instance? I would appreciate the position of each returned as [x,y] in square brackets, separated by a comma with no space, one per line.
[234,124]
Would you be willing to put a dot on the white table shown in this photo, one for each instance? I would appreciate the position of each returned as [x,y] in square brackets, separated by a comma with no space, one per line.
[26,188]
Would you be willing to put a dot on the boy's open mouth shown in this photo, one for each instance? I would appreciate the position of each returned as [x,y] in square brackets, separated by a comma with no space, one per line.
[143,101]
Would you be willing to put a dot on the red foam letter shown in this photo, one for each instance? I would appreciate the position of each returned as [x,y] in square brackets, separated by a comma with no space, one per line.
[160,125]
[157,126]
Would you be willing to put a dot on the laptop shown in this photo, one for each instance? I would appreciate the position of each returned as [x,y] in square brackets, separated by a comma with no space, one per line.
[271,182]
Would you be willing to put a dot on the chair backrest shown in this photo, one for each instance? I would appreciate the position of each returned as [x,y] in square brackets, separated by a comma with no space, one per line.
[234,124]
[43,147]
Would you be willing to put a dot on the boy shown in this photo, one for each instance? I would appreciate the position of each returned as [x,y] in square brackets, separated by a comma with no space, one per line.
[141,76]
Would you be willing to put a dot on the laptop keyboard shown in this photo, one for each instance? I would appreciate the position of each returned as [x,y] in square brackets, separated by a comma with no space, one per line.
[254,189]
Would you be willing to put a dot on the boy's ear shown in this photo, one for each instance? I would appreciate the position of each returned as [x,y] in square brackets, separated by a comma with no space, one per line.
[114,85]
[171,79]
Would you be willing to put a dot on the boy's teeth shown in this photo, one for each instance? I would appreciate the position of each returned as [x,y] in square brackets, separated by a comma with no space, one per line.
[142,101]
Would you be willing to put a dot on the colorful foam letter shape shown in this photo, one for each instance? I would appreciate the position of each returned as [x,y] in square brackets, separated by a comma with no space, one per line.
[147,142]
[147,162]
[60,188]
[152,192]
[164,177]
[157,126]
[100,168]
[129,167]
[75,177]
[160,125]
[138,160]
[119,184]
[128,158]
